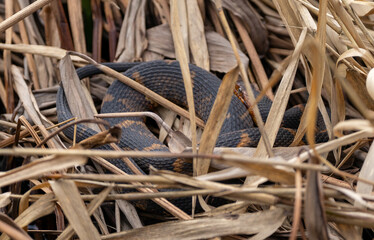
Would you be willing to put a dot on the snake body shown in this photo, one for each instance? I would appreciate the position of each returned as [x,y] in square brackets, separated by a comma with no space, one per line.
[165,78]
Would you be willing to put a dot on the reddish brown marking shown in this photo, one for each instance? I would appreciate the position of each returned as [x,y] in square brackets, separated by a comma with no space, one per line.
[137,77]
[193,74]
[153,103]
[178,165]
[108,98]
[129,123]
[293,132]
[244,116]
[154,146]
[128,149]
[126,103]
[206,100]
[245,140]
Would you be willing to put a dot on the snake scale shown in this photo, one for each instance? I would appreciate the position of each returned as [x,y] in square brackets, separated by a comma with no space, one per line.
[165,78]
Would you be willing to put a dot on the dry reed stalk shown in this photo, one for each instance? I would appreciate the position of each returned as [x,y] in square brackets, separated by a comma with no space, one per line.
[178,12]
[332,70]
[30,59]
[217,117]
[9,22]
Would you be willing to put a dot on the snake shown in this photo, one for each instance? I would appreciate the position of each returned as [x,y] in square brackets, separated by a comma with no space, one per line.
[164,77]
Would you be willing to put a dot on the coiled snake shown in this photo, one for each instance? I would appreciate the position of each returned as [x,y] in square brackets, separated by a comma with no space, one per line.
[165,78]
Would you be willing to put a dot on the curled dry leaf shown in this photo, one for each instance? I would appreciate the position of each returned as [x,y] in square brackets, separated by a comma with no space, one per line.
[355,124]
[357,52]
[370,84]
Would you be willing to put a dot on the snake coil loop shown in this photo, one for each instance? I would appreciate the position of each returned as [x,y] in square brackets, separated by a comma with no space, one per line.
[165,78]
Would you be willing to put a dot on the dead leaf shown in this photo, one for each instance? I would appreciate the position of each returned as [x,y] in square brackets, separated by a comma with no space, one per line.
[74,209]
[39,167]
[216,118]
[42,207]
[314,210]
[131,40]
[263,223]
[4,199]
[75,93]
[10,228]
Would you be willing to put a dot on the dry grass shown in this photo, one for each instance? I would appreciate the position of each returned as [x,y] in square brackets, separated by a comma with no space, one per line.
[294,51]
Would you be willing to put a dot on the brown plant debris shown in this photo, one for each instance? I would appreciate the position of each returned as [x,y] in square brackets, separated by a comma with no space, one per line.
[315,55]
